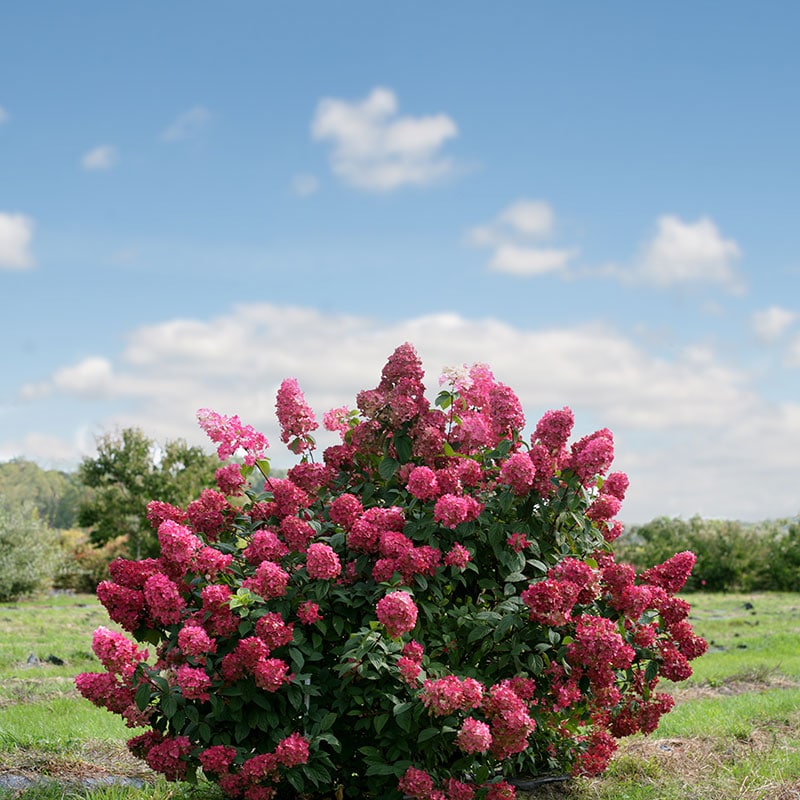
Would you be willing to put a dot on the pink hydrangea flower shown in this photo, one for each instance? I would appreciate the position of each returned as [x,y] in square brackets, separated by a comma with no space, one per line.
[117,653]
[345,510]
[337,419]
[416,783]
[292,751]
[195,642]
[451,510]
[457,378]
[124,605]
[211,563]
[163,599]
[322,562]
[216,760]
[178,544]
[474,736]
[230,479]
[207,514]
[596,758]
[271,673]
[616,484]
[168,757]
[518,472]
[297,533]
[265,546]
[397,612]
[308,612]
[505,410]
[422,483]
[414,650]
[194,682]
[458,790]
[554,428]
[311,477]
[458,556]
[502,790]
[229,433]
[592,455]
[105,690]
[409,670]
[550,601]
[673,573]
[295,416]
[274,630]
[603,508]
[269,581]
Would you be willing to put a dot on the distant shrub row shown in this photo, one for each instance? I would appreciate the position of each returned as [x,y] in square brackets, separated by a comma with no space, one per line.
[731,555]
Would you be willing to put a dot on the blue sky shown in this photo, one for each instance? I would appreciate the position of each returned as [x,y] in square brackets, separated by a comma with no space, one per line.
[600,201]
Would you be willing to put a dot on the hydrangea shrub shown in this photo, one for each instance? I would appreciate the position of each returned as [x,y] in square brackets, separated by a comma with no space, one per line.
[433,609]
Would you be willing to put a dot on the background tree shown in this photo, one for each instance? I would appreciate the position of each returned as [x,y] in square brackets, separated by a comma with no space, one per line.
[54,494]
[128,472]
[29,551]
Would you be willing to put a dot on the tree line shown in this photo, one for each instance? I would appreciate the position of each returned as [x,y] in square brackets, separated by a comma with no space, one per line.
[61,529]
[732,556]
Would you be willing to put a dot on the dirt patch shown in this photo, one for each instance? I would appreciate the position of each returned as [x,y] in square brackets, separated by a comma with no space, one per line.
[95,763]
[734,685]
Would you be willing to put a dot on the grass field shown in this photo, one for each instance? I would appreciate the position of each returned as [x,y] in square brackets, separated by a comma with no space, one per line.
[734,734]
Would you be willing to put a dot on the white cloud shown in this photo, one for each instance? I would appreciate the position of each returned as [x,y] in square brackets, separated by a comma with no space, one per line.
[92,378]
[47,450]
[529,261]
[187,125]
[686,252]
[771,323]
[102,157]
[689,428]
[16,233]
[304,185]
[377,150]
[793,353]
[515,236]
[4,116]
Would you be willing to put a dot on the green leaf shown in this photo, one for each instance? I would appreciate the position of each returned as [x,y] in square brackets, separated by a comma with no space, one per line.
[381,769]
[169,705]
[444,399]
[380,721]
[505,624]
[404,721]
[263,465]
[426,734]
[296,779]
[388,467]
[143,695]
[242,730]
[403,447]
[327,721]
